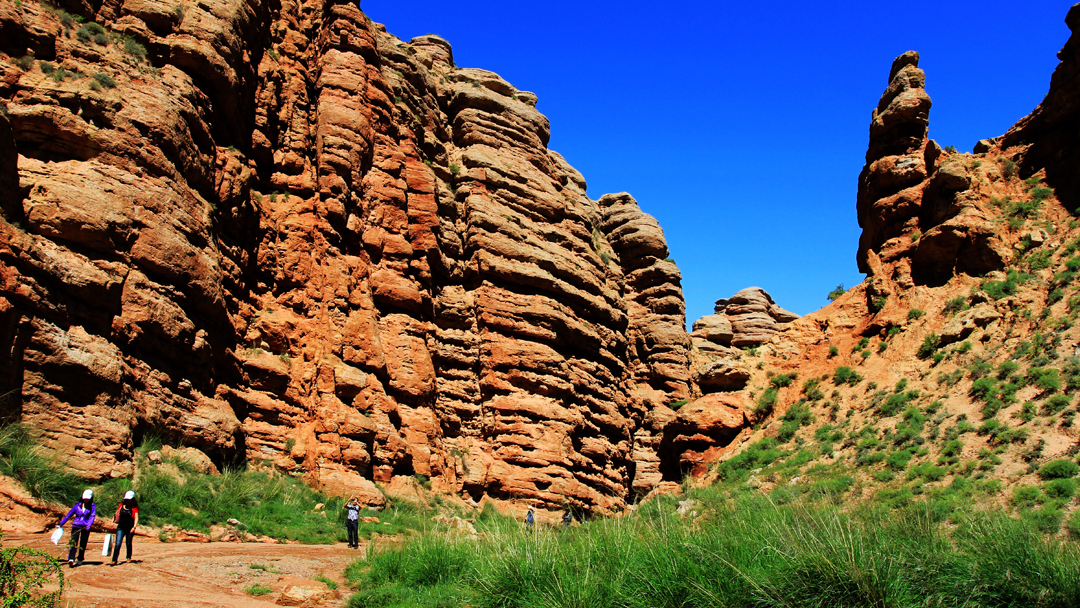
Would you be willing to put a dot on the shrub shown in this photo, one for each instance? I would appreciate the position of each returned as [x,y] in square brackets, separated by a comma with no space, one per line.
[25,573]
[846,375]
[797,416]
[782,380]
[766,402]
[1027,496]
[1061,488]
[24,63]
[1001,289]
[92,31]
[1040,193]
[1046,379]
[811,389]
[955,305]
[454,169]
[1039,260]
[256,590]
[1008,168]
[836,293]
[1055,404]
[928,471]
[929,346]
[46,67]
[105,80]
[1059,469]
[878,302]
[133,48]
[898,460]
[915,314]
[833,351]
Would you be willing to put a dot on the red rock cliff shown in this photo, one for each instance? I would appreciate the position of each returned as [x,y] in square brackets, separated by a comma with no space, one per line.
[277,232]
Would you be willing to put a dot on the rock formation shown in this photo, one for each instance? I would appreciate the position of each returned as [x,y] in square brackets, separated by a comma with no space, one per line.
[916,203]
[277,232]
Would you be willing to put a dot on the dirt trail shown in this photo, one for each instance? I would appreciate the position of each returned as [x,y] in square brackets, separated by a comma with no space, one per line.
[196,575]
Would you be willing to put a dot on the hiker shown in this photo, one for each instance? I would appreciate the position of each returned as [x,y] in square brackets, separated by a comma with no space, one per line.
[530,519]
[82,516]
[567,517]
[352,522]
[126,519]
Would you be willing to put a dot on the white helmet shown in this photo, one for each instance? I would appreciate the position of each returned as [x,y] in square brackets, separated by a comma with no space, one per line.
[130,494]
[88,495]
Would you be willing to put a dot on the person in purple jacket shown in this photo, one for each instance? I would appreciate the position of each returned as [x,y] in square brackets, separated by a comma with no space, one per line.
[82,517]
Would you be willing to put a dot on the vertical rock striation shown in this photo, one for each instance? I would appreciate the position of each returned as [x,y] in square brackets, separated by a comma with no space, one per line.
[288,236]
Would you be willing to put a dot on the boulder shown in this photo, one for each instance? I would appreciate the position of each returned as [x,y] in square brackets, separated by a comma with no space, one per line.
[722,375]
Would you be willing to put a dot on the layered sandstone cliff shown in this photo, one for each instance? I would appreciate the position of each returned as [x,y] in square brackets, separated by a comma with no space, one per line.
[278,233]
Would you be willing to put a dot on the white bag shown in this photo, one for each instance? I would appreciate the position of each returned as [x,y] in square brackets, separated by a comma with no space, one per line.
[105,545]
[57,534]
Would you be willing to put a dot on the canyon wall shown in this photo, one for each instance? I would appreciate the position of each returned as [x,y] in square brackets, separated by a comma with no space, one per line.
[279,234]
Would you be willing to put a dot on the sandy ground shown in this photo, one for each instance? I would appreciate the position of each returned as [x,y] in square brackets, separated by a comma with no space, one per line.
[195,575]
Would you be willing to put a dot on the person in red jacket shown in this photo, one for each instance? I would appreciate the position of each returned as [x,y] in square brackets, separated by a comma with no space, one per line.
[126,520]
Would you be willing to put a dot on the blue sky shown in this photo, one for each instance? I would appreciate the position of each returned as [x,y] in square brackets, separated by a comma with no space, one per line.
[743,126]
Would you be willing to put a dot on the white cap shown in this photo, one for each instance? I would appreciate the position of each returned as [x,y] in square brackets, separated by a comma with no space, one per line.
[129,494]
[88,494]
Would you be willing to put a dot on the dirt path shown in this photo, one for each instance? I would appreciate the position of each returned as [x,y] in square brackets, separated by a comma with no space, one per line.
[197,575]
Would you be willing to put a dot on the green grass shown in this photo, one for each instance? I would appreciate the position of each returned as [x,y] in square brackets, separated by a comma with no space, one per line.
[745,551]
[39,472]
[256,590]
[267,504]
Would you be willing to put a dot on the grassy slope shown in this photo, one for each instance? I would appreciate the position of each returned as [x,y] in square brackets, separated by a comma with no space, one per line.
[917,418]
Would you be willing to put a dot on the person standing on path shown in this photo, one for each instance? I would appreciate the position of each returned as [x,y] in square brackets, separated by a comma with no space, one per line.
[82,516]
[352,522]
[567,517]
[530,519]
[126,520]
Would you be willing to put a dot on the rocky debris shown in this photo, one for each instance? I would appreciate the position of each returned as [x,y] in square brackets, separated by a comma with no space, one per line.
[369,270]
[962,325]
[456,525]
[689,507]
[303,593]
[920,219]
[173,534]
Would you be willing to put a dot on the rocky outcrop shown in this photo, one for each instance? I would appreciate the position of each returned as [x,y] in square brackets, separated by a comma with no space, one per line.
[277,232]
[1046,137]
[748,318]
[919,213]
[702,431]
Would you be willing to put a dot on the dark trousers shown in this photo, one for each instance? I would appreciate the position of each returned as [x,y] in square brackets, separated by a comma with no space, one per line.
[79,538]
[121,536]
[352,526]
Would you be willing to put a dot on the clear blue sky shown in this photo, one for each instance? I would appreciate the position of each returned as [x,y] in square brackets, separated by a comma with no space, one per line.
[743,126]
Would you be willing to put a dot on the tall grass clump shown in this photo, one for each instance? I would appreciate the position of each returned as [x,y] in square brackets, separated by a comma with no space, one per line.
[22,459]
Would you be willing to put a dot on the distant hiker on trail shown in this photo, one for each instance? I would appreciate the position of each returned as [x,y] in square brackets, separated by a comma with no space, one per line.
[530,519]
[126,519]
[567,517]
[352,522]
[82,516]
